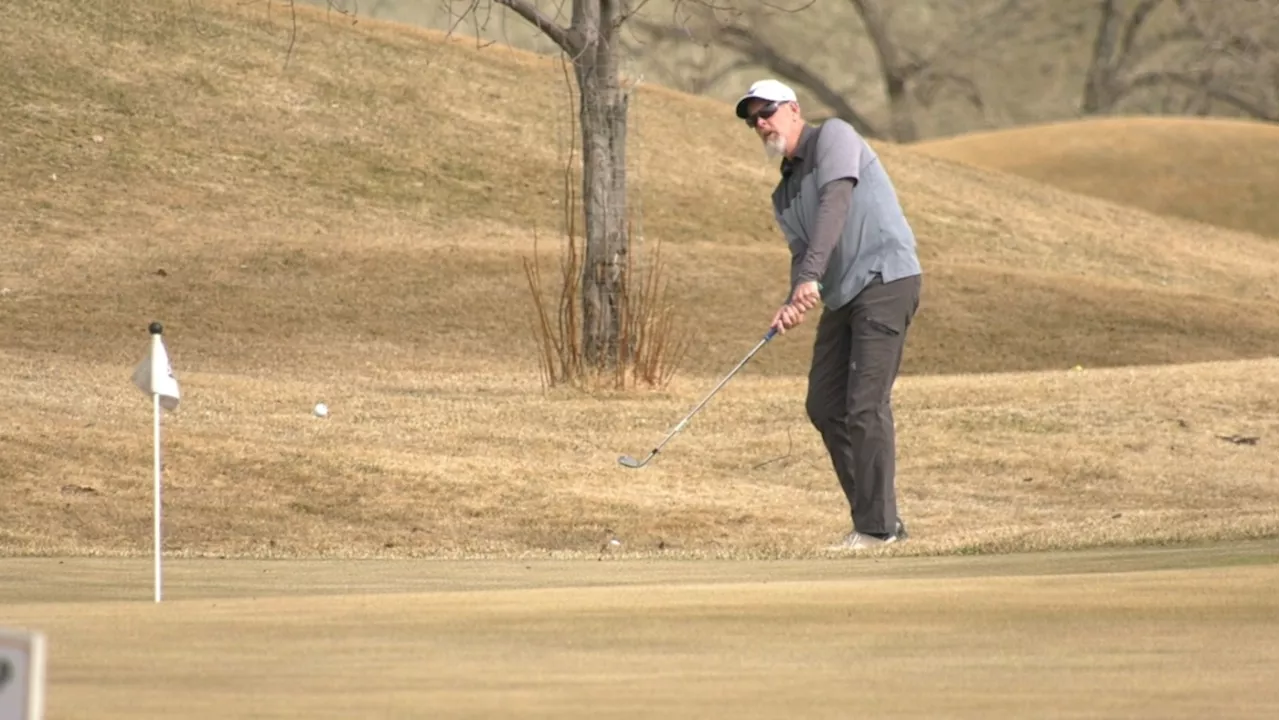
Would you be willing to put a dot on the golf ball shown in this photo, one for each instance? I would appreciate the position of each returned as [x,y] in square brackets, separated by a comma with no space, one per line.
[321,410]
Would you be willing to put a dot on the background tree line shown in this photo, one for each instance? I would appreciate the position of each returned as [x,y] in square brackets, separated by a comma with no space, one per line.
[914,69]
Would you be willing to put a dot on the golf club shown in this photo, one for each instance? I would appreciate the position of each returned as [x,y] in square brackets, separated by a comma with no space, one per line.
[630,462]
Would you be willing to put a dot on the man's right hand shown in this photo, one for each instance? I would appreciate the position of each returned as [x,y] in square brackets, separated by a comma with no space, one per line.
[787,317]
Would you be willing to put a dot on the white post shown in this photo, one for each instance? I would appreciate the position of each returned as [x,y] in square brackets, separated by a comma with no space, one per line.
[156,490]
[154,376]
[22,674]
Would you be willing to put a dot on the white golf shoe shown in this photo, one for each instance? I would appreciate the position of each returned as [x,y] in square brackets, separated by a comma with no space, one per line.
[861,541]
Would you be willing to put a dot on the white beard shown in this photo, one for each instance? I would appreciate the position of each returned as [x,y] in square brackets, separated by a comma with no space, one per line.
[775,146]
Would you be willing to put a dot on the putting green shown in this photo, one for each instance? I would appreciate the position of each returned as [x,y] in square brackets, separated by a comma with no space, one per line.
[1160,633]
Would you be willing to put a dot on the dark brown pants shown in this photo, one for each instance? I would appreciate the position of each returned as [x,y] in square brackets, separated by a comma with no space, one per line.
[856,357]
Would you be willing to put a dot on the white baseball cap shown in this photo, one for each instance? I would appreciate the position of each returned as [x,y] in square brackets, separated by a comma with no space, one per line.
[767,90]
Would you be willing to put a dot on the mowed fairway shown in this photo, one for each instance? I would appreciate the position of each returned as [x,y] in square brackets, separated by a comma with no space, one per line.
[1150,633]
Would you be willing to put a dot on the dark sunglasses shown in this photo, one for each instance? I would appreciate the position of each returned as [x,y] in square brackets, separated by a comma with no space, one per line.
[764,113]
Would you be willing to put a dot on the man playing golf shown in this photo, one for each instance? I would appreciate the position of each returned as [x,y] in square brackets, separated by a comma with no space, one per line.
[853,251]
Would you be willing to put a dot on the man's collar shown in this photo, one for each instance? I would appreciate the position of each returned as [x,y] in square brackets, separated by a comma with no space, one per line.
[802,147]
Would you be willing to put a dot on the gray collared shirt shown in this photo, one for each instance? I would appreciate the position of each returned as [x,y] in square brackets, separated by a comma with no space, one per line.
[875,239]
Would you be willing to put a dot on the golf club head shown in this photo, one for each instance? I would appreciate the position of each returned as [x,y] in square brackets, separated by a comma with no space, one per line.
[630,462]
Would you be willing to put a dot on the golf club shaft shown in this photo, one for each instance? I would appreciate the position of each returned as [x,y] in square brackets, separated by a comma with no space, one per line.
[680,425]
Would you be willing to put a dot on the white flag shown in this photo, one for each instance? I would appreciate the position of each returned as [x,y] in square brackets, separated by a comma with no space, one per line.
[154,375]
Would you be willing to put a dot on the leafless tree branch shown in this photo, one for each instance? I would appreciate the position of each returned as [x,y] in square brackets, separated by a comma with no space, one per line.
[757,50]
[559,35]
[1134,24]
[1115,49]
[931,84]
[293,33]
[1254,107]
[908,70]
[762,51]
[1244,35]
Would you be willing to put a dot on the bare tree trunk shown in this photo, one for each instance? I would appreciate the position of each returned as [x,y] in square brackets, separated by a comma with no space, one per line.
[1115,54]
[604,190]
[1097,78]
[591,41]
[895,71]
[901,113]
[1236,61]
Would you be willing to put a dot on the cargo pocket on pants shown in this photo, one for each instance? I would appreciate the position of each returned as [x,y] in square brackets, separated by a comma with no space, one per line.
[883,327]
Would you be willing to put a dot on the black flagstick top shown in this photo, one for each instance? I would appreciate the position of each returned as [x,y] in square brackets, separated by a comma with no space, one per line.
[156,328]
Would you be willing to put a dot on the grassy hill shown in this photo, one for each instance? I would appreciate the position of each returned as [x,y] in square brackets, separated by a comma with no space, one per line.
[349,226]
[383,188]
[1217,171]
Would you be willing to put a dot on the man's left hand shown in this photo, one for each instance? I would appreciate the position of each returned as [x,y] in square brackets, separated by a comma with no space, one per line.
[805,297]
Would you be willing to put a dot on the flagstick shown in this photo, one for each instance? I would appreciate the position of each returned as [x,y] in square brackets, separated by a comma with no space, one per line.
[154,376]
[156,421]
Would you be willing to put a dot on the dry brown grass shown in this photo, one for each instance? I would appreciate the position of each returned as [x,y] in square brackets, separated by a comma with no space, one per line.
[385,187]
[351,229]
[482,463]
[1212,170]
